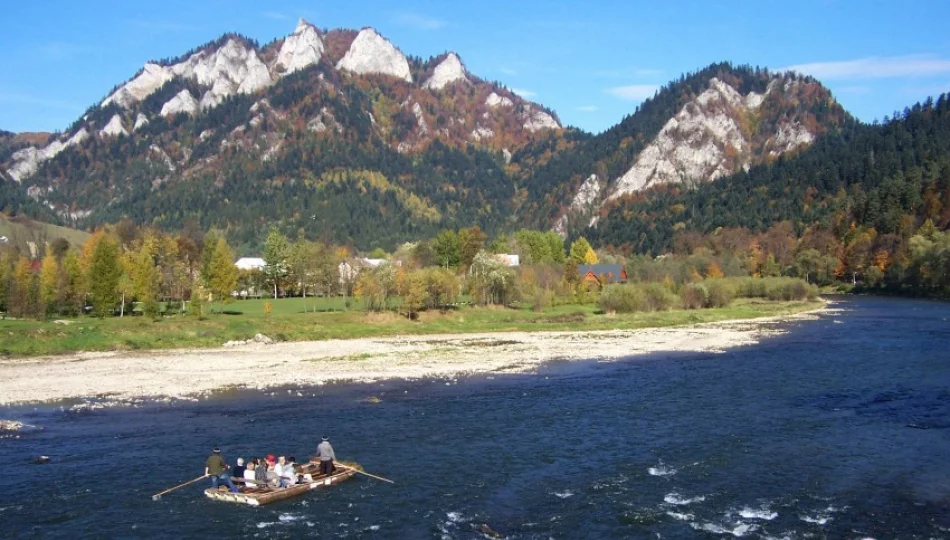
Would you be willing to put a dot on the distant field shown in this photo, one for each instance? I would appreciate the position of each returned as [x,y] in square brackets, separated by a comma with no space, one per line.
[20,230]
[289,322]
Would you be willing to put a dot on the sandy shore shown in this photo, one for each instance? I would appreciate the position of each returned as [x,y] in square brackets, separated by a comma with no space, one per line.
[122,376]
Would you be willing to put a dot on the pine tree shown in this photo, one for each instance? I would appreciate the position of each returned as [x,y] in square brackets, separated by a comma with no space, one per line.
[49,284]
[223,275]
[105,272]
[20,289]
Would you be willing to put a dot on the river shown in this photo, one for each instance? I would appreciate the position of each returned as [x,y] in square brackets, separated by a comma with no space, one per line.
[839,428]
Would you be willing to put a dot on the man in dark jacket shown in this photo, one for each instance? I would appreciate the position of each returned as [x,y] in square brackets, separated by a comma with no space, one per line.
[217,469]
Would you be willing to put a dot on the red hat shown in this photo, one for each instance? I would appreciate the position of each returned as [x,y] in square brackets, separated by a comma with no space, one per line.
[270,458]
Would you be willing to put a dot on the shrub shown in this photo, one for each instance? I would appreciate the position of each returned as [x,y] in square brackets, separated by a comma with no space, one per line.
[620,299]
[656,297]
[721,293]
[693,296]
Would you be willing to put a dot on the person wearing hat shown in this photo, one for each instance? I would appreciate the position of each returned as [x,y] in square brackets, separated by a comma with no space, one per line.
[325,452]
[217,469]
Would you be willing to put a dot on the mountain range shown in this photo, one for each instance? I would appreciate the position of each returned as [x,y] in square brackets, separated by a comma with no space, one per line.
[337,134]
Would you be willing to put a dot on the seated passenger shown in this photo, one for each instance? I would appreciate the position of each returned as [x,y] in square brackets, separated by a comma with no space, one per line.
[249,473]
[238,470]
[288,476]
[260,471]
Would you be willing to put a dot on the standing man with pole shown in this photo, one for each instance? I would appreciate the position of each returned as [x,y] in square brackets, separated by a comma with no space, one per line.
[325,452]
[217,469]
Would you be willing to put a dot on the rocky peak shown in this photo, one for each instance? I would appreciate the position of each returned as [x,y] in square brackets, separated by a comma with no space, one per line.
[229,69]
[702,142]
[372,53]
[448,71]
[301,49]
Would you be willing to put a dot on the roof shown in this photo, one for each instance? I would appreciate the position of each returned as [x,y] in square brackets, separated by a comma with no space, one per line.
[613,272]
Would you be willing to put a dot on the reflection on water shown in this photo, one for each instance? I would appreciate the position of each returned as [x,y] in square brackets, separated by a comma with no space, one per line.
[832,430]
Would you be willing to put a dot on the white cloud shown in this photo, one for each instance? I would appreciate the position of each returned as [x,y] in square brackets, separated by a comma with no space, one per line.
[508,71]
[276,15]
[634,92]
[876,67]
[587,108]
[420,22]
[524,93]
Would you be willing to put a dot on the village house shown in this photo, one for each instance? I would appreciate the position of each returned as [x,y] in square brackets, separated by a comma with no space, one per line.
[250,263]
[507,259]
[602,273]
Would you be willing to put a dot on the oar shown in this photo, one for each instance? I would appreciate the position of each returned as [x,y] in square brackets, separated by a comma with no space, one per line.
[366,473]
[158,496]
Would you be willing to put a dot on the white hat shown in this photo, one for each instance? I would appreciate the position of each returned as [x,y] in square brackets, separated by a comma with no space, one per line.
[240,461]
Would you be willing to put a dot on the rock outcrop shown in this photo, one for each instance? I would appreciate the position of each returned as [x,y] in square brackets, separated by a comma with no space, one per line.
[372,53]
[183,102]
[114,128]
[301,49]
[448,71]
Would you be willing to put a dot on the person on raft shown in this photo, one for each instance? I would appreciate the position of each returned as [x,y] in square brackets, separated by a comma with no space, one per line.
[325,452]
[217,469]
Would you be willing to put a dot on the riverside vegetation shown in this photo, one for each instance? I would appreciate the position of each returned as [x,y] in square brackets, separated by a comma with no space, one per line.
[129,288]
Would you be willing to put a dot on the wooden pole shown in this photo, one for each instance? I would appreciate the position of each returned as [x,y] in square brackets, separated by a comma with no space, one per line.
[158,496]
[366,473]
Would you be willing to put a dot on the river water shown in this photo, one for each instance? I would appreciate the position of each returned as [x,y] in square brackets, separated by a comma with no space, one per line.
[840,428]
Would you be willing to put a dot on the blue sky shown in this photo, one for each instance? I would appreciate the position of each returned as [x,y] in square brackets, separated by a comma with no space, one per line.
[592,62]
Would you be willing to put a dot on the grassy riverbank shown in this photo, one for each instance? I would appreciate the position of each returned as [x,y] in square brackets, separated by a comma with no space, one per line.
[290,320]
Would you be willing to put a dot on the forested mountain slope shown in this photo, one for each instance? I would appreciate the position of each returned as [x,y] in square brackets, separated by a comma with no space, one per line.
[889,178]
[335,133]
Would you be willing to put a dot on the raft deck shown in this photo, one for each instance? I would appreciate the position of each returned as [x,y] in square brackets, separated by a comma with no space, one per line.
[259,496]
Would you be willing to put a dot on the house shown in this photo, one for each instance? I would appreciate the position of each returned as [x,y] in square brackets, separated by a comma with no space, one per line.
[350,269]
[250,263]
[507,259]
[602,273]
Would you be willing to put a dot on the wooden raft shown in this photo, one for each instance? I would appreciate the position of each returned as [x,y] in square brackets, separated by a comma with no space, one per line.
[262,495]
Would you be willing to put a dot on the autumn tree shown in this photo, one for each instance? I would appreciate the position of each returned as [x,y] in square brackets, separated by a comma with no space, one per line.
[105,272]
[71,284]
[49,284]
[276,251]
[145,278]
[579,251]
[222,274]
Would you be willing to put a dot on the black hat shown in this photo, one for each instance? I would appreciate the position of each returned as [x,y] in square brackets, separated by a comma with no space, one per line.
[216,450]
[326,438]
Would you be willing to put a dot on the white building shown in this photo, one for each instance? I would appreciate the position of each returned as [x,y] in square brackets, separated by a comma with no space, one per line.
[507,259]
[250,263]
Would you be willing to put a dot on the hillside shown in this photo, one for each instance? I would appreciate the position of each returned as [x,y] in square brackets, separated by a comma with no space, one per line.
[701,127]
[21,231]
[333,132]
[337,135]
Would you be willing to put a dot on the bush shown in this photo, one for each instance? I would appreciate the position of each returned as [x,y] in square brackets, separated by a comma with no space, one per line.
[721,293]
[694,296]
[656,297]
[631,298]
[773,288]
[620,299]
